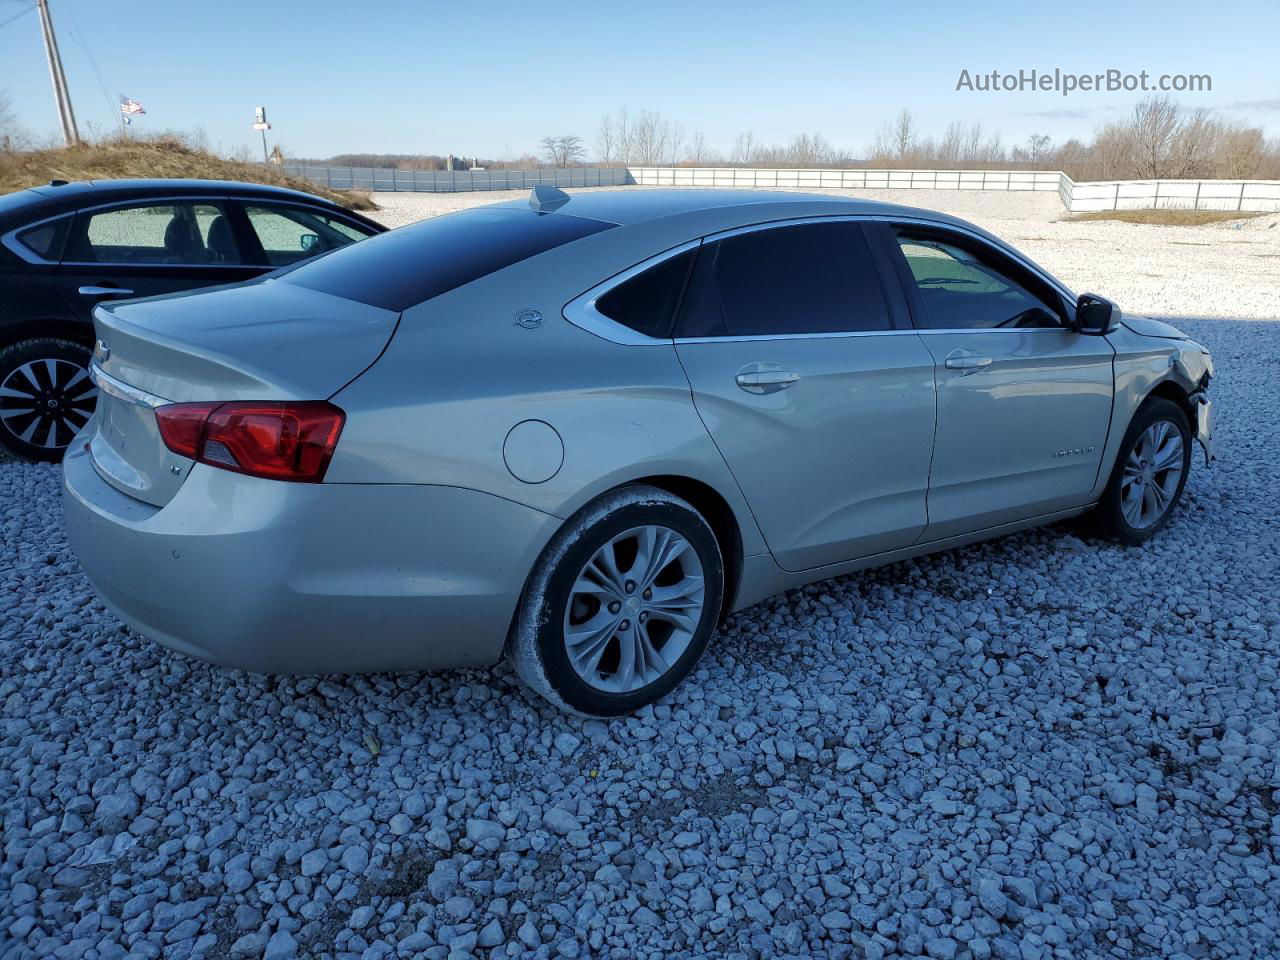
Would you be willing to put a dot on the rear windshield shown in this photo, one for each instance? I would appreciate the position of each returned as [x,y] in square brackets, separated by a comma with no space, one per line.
[405,267]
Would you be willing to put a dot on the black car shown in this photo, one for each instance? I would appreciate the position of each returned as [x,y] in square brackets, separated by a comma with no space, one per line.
[66,247]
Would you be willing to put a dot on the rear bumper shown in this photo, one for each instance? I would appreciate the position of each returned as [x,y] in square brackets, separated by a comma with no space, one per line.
[307,578]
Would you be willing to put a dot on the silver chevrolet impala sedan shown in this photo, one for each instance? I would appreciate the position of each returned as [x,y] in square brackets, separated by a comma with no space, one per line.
[580,432]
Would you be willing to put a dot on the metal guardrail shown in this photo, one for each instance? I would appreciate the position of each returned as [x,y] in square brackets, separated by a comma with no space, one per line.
[1245,196]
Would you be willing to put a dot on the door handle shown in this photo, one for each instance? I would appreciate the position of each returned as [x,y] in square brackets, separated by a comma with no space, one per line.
[93,291]
[766,381]
[966,362]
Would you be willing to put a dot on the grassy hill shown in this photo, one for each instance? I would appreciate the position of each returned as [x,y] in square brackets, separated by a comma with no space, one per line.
[165,156]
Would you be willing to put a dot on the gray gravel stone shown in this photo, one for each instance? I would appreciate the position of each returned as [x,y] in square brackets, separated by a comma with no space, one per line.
[1040,746]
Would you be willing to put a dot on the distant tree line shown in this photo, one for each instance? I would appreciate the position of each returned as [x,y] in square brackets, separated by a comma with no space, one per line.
[1158,139]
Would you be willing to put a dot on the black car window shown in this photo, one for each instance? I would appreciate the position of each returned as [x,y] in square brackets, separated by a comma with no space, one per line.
[646,302]
[290,234]
[809,278]
[153,233]
[408,266]
[964,286]
[46,240]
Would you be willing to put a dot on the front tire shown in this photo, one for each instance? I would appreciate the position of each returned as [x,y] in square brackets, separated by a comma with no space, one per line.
[1150,473]
[620,605]
[46,396]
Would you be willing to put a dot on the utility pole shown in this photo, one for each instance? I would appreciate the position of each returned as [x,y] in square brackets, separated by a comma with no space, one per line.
[66,116]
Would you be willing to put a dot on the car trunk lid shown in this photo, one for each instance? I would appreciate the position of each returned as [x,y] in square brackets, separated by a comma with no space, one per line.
[258,341]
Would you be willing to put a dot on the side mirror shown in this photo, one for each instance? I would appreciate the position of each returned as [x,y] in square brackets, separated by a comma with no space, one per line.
[309,241]
[1095,315]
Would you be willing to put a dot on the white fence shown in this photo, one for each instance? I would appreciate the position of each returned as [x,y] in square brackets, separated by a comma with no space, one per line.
[389,180]
[1246,196]
[857,179]
[1250,196]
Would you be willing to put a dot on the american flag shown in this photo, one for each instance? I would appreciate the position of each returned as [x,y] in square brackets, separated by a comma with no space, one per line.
[130,106]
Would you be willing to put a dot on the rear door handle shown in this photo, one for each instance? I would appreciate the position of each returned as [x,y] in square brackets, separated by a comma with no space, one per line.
[966,361]
[93,291]
[765,378]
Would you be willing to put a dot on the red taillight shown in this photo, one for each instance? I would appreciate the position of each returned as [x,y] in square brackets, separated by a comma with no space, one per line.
[279,441]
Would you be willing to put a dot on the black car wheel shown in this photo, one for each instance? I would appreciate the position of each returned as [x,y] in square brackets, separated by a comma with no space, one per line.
[1150,473]
[621,604]
[46,396]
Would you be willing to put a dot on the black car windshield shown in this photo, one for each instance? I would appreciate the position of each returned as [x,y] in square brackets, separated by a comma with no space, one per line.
[405,267]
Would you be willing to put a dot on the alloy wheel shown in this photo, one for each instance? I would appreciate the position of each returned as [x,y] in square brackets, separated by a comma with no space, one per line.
[45,402]
[1151,476]
[633,609]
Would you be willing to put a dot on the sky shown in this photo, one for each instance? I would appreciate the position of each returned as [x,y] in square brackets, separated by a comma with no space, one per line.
[493,78]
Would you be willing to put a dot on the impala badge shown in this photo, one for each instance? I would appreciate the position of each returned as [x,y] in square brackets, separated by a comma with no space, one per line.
[528,318]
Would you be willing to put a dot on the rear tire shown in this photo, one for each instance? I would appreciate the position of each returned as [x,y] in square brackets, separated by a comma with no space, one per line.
[46,396]
[1150,473]
[620,605]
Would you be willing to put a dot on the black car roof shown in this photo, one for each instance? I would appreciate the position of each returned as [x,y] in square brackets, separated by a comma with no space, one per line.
[53,198]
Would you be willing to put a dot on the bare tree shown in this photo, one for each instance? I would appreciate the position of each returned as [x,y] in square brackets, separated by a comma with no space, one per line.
[896,141]
[651,138]
[1154,125]
[1037,147]
[744,148]
[12,135]
[674,141]
[697,152]
[1240,152]
[904,133]
[563,150]
[607,141]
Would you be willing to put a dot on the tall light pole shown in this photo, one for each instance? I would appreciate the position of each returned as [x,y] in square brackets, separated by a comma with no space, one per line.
[66,116]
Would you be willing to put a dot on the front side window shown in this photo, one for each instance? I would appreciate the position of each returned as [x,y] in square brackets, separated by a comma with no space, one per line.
[964,287]
[806,279]
[172,233]
[289,234]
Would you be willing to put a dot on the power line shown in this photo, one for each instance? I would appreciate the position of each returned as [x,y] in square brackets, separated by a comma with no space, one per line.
[5,23]
[79,37]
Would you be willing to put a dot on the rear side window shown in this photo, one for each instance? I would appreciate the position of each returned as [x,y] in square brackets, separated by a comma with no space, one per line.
[809,278]
[408,266]
[171,233]
[647,301]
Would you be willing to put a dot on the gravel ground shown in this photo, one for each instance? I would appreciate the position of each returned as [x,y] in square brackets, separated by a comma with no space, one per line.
[1038,747]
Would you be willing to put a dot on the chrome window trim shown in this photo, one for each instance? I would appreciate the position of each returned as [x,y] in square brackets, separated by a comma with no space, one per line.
[841,335]
[581,310]
[121,390]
